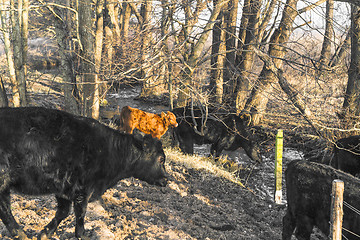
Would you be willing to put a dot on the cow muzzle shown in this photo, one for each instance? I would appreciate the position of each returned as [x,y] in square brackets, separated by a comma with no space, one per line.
[161,182]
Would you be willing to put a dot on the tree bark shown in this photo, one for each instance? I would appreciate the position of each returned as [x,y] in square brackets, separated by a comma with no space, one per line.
[256,103]
[3,97]
[351,105]
[328,35]
[230,84]
[9,54]
[66,60]
[247,55]
[147,79]
[126,13]
[218,49]
[19,42]
[341,51]
[87,57]
[230,18]
[99,35]
[184,91]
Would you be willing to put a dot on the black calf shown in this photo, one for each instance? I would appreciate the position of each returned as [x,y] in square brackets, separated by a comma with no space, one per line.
[44,151]
[229,133]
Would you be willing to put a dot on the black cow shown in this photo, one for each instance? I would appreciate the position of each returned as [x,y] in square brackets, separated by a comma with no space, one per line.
[347,155]
[45,151]
[308,189]
[228,133]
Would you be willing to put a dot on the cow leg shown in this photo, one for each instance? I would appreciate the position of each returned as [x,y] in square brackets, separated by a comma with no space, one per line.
[80,205]
[186,143]
[7,217]
[289,225]
[304,226]
[63,209]
[216,149]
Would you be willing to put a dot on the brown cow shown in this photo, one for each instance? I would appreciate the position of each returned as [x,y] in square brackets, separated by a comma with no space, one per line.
[148,123]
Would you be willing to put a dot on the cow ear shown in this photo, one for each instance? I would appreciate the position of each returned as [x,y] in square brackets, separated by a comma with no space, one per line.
[148,141]
[163,115]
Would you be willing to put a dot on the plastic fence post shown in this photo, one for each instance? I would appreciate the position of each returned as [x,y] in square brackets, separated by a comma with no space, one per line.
[278,166]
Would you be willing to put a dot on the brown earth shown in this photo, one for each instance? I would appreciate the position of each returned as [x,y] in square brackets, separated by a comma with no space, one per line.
[195,205]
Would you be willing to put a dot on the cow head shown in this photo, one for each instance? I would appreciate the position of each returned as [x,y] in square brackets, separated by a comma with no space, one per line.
[243,136]
[151,167]
[169,119]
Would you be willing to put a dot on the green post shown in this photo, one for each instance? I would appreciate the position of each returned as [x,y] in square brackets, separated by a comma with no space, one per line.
[278,166]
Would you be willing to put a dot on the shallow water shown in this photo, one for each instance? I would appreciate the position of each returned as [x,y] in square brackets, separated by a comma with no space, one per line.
[125,97]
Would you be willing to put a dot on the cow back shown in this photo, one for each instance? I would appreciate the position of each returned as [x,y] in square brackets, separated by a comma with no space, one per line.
[50,151]
[309,187]
[347,155]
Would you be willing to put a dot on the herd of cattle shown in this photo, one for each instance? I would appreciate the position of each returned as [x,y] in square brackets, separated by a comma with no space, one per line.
[47,151]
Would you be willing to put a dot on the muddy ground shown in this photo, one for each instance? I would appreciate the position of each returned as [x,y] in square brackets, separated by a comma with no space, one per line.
[194,205]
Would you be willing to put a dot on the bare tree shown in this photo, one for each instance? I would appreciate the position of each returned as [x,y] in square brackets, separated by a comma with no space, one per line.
[9,53]
[230,19]
[61,19]
[193,58]
[341,51]
[87,57]
[247,55]
[256,103]
[351,105]
[328,36]
[19,39]
[218,49]
[99,35]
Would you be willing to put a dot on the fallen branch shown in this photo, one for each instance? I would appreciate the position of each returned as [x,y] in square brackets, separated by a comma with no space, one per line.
[288,89]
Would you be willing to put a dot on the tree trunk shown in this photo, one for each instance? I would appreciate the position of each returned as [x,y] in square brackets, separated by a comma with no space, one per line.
[230,84]
[3,97]
[247,55]
[351,105]
[9,54]
[256,103]
[87,57]
[341,51]
[184,91]
[218,49]
[126,13]
[167,14]
[230,18]
[266,19]
[329,26]
[292,94]
[111,11]
[99,34]
[19,42]
[66,60]
[147,79]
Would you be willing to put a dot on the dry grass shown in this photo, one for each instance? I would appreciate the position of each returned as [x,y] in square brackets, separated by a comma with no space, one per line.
[202,164]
